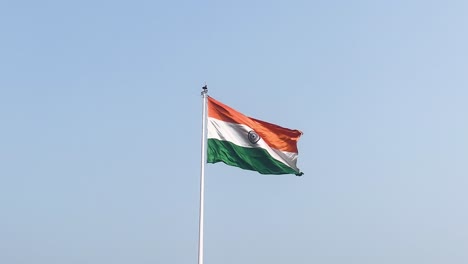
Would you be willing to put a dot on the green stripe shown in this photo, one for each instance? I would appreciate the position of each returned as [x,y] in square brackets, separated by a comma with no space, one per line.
[256,159]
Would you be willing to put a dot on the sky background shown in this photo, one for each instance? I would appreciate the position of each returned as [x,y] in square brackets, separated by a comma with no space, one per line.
[100,127]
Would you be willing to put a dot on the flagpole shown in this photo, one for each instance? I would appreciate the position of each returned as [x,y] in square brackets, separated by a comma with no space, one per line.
[204,94]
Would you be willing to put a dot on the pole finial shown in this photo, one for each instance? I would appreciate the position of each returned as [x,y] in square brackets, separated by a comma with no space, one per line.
[205,89]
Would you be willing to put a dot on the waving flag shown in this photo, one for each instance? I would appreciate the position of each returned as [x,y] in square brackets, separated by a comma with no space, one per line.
[248,143]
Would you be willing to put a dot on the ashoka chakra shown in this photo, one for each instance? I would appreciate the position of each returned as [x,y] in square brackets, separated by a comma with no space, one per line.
[253,137]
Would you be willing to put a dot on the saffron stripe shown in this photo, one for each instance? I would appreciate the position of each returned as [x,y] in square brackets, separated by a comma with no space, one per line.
[275,136]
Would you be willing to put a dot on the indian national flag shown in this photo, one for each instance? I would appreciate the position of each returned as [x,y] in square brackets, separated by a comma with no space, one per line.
[248,143]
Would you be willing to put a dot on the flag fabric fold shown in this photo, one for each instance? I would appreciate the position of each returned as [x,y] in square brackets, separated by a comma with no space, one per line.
[249,143]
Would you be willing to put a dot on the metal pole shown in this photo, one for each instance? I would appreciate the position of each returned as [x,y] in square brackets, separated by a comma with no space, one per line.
[204,94]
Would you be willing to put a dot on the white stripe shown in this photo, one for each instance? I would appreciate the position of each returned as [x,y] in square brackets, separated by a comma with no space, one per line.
[238,135]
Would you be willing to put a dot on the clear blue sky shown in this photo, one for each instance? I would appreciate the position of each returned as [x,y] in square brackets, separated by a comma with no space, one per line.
[100,115]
